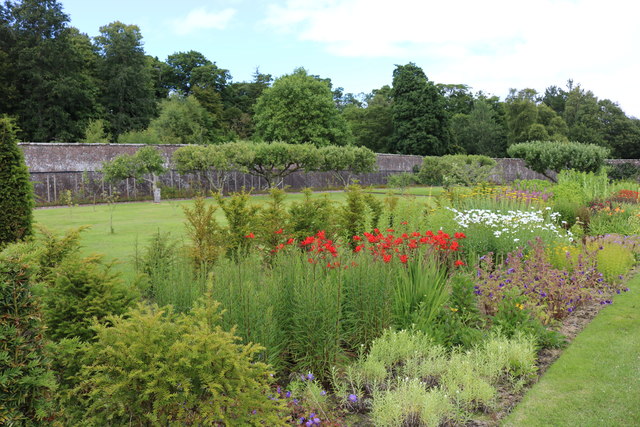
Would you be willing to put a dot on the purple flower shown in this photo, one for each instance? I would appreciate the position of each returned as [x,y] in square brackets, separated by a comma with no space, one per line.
[353,398]
[287,394]
[323,393]
[310,376]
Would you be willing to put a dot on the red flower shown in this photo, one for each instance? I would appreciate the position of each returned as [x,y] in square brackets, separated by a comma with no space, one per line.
[321,235]
[404,223]
[458,263]
[279,231]
[403,259]
[357,238]
[358,248]
[290,241]
[311,261]
[309,240]
[250,236]
[454,246]
[386,258]
[459,236]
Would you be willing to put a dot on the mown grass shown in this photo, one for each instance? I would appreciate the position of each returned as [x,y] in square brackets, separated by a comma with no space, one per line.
[135,223]
[596,381]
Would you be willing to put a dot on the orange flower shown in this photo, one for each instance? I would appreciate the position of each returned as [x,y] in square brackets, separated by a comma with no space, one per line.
[250,236]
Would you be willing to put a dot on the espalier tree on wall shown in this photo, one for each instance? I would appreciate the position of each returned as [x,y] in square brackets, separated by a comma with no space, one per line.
[16,190]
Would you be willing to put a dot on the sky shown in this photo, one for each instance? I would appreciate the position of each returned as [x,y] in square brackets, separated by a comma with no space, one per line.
[490,45]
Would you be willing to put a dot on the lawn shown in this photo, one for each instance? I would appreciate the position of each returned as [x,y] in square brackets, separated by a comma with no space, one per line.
[596,381]
[134,223]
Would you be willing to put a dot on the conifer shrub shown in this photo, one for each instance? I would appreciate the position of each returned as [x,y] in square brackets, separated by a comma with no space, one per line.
[156,367]
[26,381]
[84,290]
[16,190]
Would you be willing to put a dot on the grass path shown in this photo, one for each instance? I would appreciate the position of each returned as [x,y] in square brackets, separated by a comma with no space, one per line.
[596,381]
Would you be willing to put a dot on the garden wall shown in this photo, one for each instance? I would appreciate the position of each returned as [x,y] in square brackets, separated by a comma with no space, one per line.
[57,168]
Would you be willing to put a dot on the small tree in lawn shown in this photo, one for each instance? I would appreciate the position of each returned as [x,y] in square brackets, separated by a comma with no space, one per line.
[146,161]
[544,156]
[16,190]
[345,162]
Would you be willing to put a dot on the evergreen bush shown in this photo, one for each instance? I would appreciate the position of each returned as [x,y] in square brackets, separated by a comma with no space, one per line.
[16,190]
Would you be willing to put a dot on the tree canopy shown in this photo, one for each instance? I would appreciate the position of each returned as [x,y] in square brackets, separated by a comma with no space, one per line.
[299,109]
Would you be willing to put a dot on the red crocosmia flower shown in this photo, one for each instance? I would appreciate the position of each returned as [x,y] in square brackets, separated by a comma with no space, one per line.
[386,258]
[429,233]
[290,241]
[416,234]
[321,235]
[403,259]
[404,223]
[357,238]
[279,231]
[309,240]
[250,236]
[358,248]
[390,230]
[413,244]
[460,236]
[311,261]
[405,236]
[280,246]
[375,230]
[458,263]
[454,246]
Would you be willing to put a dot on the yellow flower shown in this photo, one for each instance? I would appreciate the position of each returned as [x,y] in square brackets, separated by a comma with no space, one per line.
[520,306]
[453,309]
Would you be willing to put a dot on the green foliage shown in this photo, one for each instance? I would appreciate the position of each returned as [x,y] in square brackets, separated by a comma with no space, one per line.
[479,132]
[459,169]
[155,367]
[372,127]
[353,214]
[623,172]
[47,72]
[346,161]
[183,120]
[271,220]
[146,136]
[298,109]
[401,180]
[16,190]
[83,291]
[419,295]
[241,221]
[311,215]
[213,161]
[512,318]
[205,234]
[145,161]
[127,92]
[26,382]
[419,117]
[95,134]
[542,156]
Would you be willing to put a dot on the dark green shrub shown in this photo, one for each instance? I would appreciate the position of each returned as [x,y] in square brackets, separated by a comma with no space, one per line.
[16,190]
[26,381]
[401,180]
[353,215]
[84,290]
[155,367]
[544,156]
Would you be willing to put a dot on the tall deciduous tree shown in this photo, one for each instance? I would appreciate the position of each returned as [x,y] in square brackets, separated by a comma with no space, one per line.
[183,121]
[46,71]
[128,95]
[419,116]
[479,131]
[372,126]
[299,108]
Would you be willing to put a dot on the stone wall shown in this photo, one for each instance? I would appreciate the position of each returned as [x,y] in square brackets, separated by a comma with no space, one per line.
[60,167]
[57,168]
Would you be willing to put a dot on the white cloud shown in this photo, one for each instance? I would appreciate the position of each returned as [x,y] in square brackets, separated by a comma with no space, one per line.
[200,19]
[491,45]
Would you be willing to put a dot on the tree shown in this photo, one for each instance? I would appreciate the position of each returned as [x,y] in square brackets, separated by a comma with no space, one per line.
[128,95]
[95,134]
[146,161]
[212,161]
[344,162]
[16,190]
[372,125]
[239,100]
[582,117]
[183,121]
[621,133]
[544,156]
[479,132]
[49,85]
[299,109]
[521,113]
[419,116]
